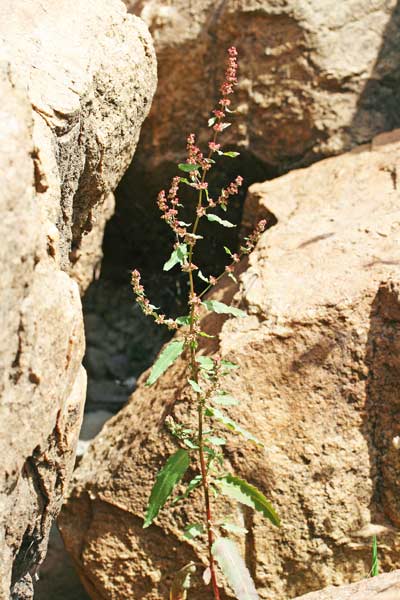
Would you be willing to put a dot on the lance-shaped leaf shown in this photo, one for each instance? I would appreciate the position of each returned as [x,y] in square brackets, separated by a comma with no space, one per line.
[217,219]
[167,357]
[195,386]
[178,256]
[245,493]
[223,309]
[167,478]
[181,582]
[234,568]
[225,400]
[232,425]
[188,168]
[206,363]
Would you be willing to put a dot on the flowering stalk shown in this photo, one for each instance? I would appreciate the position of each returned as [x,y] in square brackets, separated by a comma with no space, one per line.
[205,373]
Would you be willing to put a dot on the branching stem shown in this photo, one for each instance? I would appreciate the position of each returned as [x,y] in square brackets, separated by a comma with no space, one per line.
[200,409]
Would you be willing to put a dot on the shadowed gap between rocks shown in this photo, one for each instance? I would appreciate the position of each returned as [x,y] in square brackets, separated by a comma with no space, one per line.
[121,341]
[381,88]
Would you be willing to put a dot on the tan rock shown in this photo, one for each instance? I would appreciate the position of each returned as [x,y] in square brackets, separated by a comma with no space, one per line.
[76,80]
[382,587]
[315,78]
[318,383]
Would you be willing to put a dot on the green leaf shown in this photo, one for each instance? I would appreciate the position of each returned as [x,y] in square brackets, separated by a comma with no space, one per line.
[231,276]
[183,320]
[217,219]
[217,441]
[206,335]
[211,121]
[223,309]
[233,528]
[192,485]
[178,256]
[375,562]
[234,568]
[231,154]
[225,400]
[229,365]
[167,357]
[202,277]
[190,444]
[188,168]
[181,582]
[227,251]
[232,425]
[206,363]
[193,530]
[171,473]
[195,386]
[245,493]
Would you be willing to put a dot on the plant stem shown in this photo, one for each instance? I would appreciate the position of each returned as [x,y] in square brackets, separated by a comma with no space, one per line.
[194,372]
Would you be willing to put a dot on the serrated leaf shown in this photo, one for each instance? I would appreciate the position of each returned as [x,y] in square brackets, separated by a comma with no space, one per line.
[245,493]
[231,154]
[167,357]
[171,473]
[232,425]
[217,219]
[225,400]
[178,256]
[181,582]
[206,363]
[188,168]
[223,309]
[195,386]
[192,485]
[233,528]
[193,530]
[234,568]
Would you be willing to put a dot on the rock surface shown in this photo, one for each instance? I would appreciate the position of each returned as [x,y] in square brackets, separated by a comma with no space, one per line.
[76,82]
[383,587]
[315,79]
[318,383]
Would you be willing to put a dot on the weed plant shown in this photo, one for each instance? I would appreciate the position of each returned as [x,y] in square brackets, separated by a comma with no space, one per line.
[201,448]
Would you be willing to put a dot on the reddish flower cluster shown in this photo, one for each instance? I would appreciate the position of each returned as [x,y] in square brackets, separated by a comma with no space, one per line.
[169,208]
[145,305]
[253,238]
[231,190]
[195,156]
[230,78]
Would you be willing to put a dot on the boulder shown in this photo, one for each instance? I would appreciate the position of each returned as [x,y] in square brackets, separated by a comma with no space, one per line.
[318,382]
[382,587]
[76,80]
[314,79]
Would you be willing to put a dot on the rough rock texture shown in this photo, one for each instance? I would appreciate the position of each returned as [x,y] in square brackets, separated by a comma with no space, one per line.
[318,382]
[383,587]
[315,78]
[76,82]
